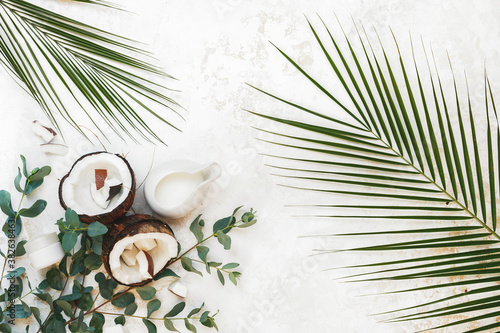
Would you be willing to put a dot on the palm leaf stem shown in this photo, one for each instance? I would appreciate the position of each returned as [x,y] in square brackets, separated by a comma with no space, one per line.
[440,188]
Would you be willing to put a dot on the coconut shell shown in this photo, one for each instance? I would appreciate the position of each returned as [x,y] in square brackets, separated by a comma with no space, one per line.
[109,217]
[129,226]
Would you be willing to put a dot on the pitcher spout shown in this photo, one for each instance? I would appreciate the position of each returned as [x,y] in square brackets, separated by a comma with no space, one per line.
[211,172]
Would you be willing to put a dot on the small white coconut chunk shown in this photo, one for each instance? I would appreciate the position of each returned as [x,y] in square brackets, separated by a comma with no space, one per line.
[112,182]
[144,268]
[129,247]
[103,196]
[165,249]
[54,148]
[146,244]
[178,289]
[100,196]
[46,133]
[129,256]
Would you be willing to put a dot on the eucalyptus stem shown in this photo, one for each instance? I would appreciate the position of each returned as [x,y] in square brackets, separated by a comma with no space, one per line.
[15,220]
[20,298]
[21,201]
[144,317]
[95,298]
[62,291]
[101,305]
[201,242]
[217,268]
[81,290]
[28,293]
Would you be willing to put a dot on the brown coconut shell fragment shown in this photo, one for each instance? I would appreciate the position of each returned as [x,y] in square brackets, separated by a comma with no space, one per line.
[106,217]
[129,226]
[151,265]
[100,178]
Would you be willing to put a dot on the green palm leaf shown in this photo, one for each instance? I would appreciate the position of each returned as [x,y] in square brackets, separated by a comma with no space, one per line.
[404,158]
[54,57]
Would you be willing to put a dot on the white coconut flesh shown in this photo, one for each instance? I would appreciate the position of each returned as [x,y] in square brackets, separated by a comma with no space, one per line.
[46,133]
[130,256]
[129,264]
[76,189]
[103,196]
[177,288]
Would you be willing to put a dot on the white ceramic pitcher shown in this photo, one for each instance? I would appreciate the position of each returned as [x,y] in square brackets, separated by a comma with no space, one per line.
[177,187]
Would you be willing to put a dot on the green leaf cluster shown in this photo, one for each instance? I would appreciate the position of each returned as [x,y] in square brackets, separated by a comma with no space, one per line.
[220,230]
[25,182]
[32,180]
[91,236]
[205,318]
[75,263]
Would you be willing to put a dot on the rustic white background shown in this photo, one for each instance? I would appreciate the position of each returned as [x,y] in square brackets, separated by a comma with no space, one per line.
[213,47]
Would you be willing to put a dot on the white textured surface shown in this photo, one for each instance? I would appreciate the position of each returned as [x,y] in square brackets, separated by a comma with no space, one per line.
[214,47]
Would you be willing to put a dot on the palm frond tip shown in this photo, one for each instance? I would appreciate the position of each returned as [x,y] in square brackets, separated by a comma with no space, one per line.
[416,152]
[61,61]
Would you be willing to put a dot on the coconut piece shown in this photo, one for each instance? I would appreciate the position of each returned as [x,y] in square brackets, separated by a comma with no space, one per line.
[99,196]
[151,264]
[129,247]
[146,244]
[100,178]
[103,195]
[54,148]
[74,188]
[130,230]
[46,133]
[146,265]
[115,186]
[129,256]
[178,289]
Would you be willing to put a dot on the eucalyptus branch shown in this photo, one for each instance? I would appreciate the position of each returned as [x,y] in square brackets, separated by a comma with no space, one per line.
[201,242]
[21,201]
[145,317]
[109,300]
[217,268]
[28,293]
[101,305]
[15,221]
[20,298]
[81,290]
[95,298]
[60,294]
[221,228]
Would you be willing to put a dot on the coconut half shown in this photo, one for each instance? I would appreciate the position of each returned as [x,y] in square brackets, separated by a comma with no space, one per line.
[76,189]
[137,248]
